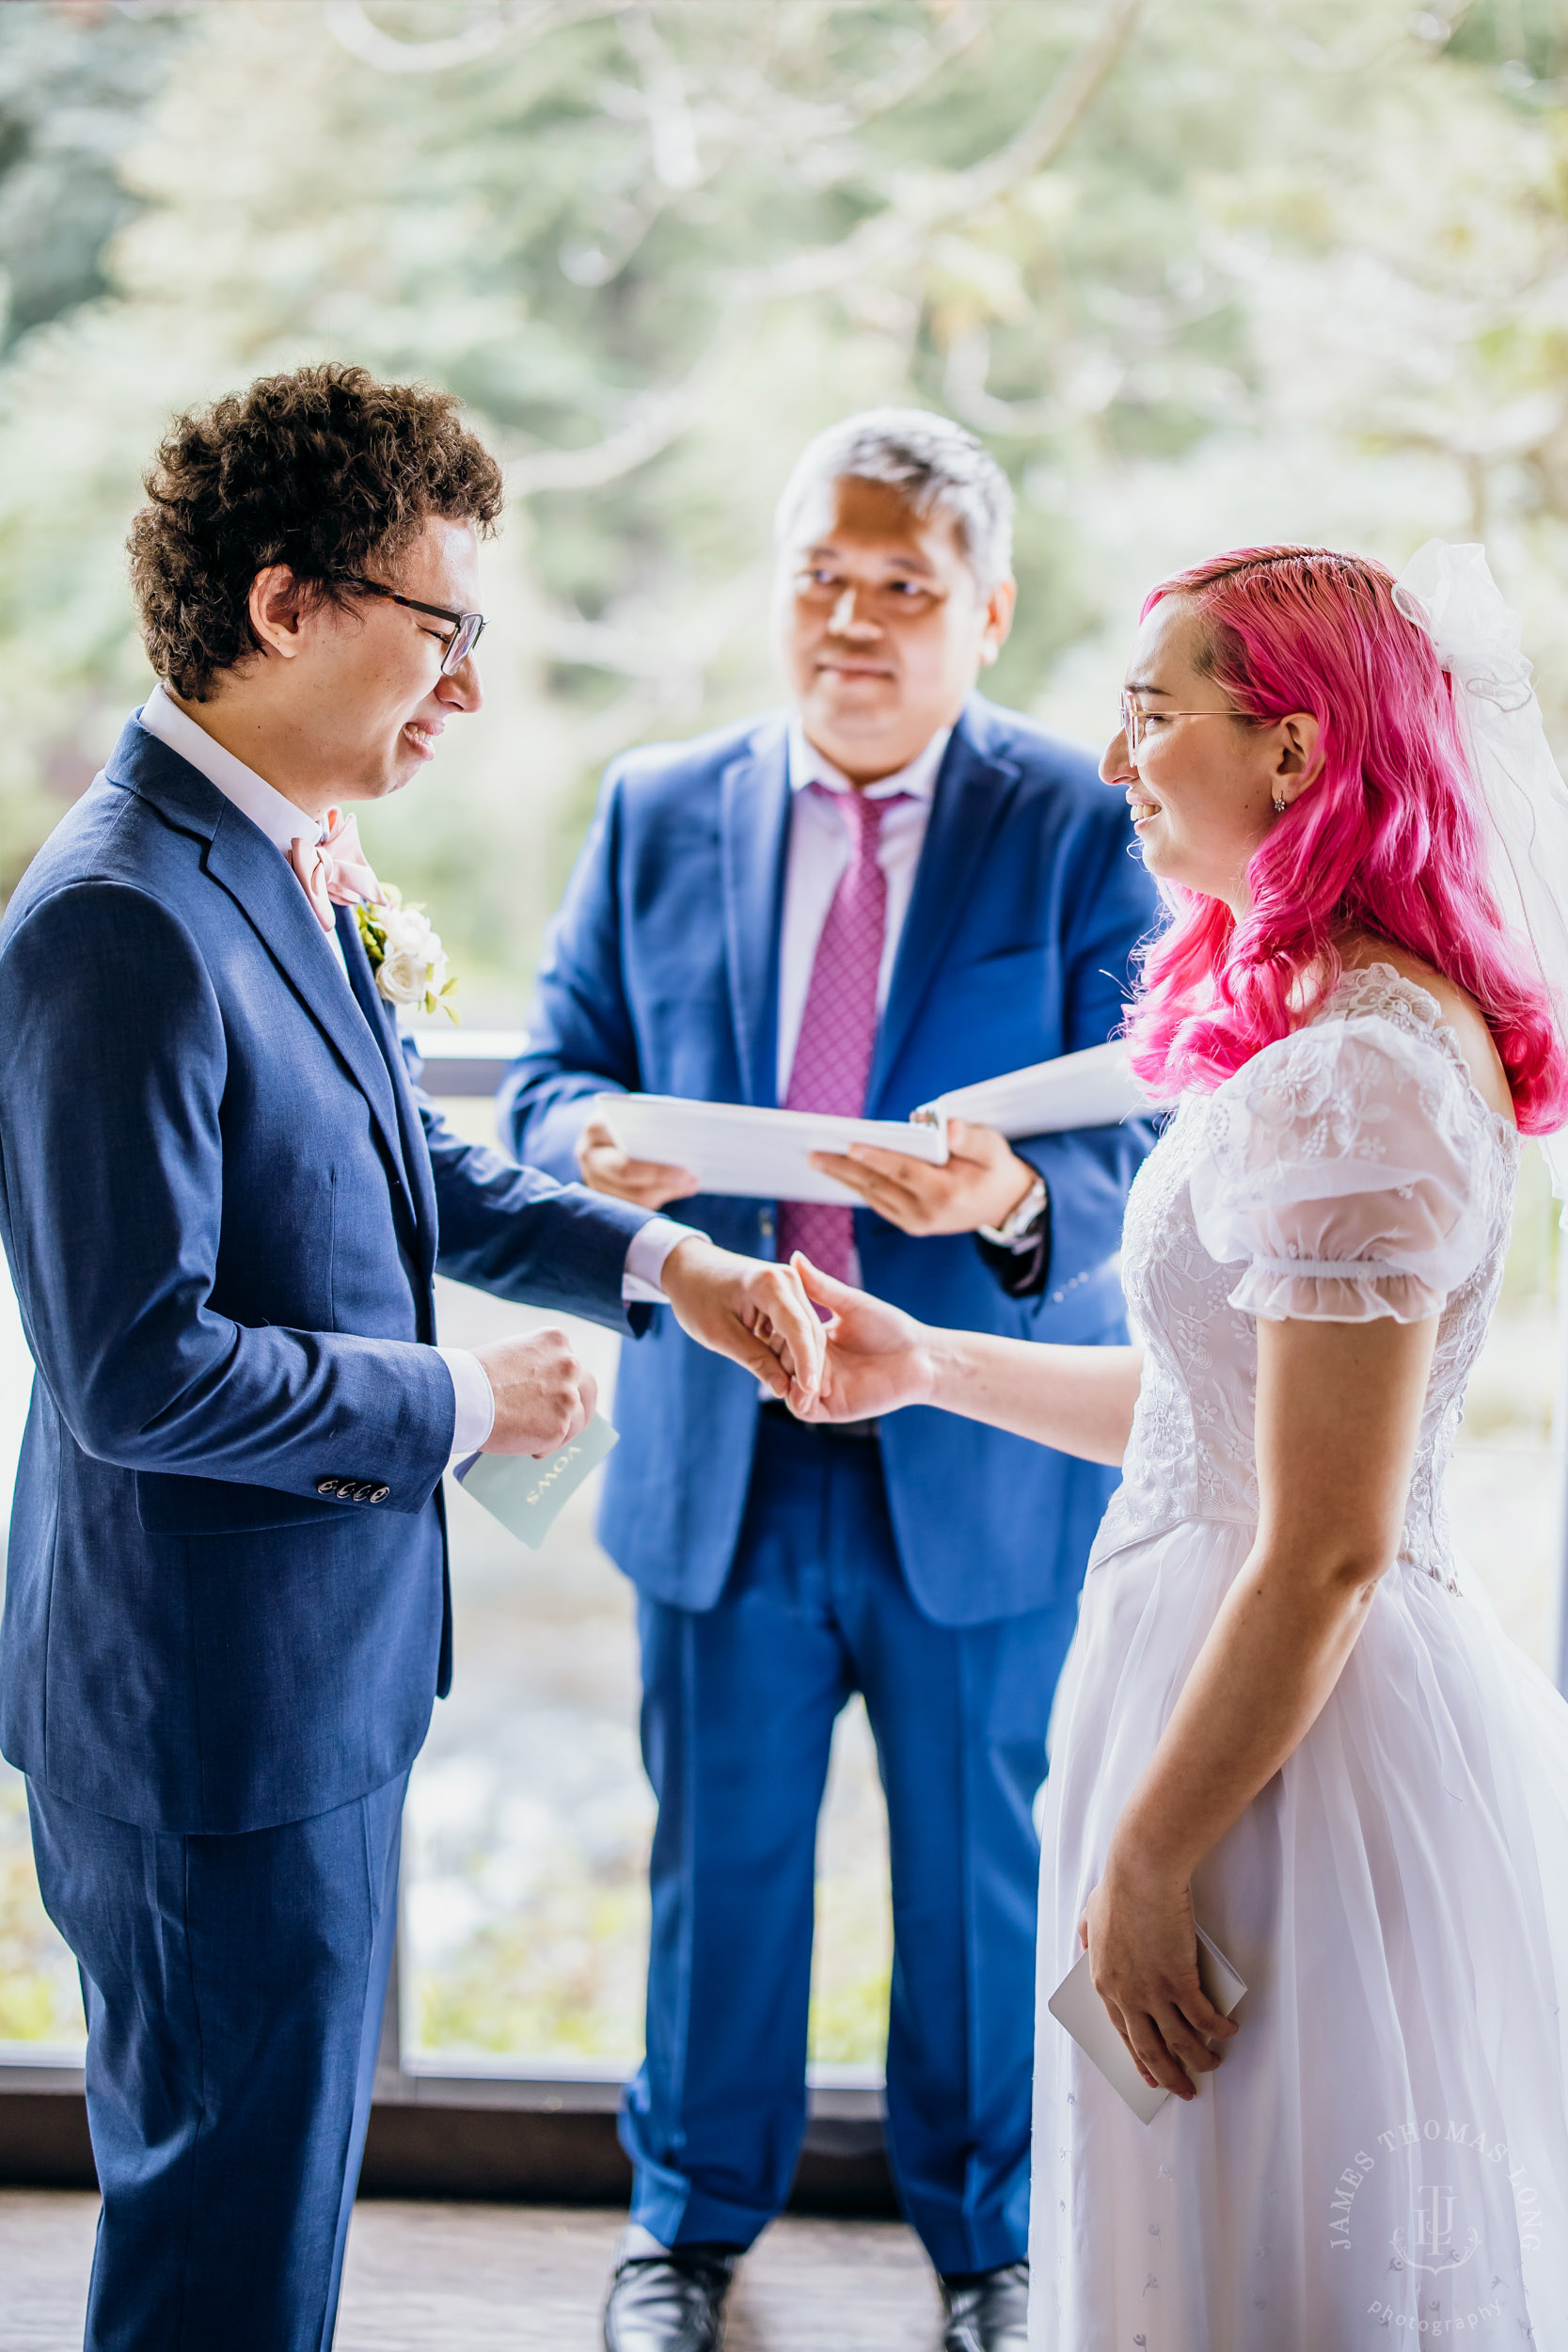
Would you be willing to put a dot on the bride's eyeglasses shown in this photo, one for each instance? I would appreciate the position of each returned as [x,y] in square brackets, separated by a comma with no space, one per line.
[1136,723]
[465,627]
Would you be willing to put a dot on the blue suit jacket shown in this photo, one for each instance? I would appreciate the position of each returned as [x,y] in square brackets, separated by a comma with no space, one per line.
[662,975]
[218,1196]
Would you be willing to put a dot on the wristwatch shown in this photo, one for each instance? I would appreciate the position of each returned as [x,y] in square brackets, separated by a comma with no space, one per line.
[1017,1230]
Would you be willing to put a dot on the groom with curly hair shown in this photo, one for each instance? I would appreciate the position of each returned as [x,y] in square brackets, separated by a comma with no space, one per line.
[226,1609]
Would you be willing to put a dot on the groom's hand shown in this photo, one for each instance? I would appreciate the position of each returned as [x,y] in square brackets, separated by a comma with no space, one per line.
[755,1312]
[981,1181]
[544,1396]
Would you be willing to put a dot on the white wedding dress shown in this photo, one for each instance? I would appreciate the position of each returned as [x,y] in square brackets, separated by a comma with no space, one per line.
[1383,2155]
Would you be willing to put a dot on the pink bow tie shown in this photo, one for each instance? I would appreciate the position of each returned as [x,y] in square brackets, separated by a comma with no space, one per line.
[334,871]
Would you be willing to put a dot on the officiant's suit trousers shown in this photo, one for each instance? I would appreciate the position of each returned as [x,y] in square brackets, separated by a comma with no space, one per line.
[737,1719]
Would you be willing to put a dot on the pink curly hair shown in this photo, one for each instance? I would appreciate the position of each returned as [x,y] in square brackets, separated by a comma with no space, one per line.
[1387,841]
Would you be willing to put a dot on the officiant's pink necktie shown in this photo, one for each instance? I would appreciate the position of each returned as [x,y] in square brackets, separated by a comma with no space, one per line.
[838,1028]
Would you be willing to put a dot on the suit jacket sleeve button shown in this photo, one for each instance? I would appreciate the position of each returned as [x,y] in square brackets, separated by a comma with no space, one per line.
[379,1494]
[328,1486]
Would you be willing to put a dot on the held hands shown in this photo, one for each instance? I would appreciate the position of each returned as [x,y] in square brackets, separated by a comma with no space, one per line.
[742,1308]
[878,1357]
[981,1184]
[544,1396]
[755,1312]
[648,1183]
[1138,1928]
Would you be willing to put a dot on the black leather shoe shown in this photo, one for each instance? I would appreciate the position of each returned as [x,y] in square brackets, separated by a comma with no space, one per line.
[670,2302]
[988,2310]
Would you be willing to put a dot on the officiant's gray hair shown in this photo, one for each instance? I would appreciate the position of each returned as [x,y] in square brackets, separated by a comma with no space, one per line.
[935,466]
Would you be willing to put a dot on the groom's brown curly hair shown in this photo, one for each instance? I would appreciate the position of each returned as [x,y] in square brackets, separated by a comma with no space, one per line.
[326,469]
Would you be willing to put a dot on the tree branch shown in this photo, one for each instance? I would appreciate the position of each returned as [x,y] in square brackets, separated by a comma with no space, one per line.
[351,27]
[653,425]
[670,137]
[966,386]
[957,32]
[765,118]
[893,235]
[903,229]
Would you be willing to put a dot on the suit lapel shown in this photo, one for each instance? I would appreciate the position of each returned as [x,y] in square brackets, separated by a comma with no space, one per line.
[262,883]
[972,792]
[753,838]
[258,878]
[383,1023]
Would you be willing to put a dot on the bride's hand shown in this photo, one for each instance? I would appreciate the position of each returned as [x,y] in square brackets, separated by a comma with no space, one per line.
[1137,1926]
[878,1357]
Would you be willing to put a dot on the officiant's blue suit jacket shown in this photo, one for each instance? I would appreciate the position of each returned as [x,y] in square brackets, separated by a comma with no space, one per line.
[226,1599]
[662,975]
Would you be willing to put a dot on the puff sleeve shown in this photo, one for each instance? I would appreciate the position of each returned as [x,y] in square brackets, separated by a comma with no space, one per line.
[1340,1170]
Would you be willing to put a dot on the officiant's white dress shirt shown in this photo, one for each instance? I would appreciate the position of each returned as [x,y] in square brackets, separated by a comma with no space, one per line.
[284,823]
[819,853]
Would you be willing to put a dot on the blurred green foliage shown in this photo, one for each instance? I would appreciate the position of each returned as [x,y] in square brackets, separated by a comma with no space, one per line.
[1203,272]
[74,86]
[40,2001]
[566,1976]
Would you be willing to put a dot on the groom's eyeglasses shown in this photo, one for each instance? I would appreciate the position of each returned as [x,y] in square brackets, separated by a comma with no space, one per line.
[465,627]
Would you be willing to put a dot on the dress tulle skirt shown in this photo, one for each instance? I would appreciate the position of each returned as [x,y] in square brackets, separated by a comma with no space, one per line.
[1383,2155]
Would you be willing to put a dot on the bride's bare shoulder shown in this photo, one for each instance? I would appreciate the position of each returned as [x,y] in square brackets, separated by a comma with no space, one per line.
[1460,1011]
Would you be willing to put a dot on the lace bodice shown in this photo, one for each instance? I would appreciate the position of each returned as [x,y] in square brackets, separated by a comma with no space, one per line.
[1349,1170]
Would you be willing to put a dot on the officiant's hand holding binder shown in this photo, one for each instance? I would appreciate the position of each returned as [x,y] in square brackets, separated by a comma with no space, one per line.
[756,1155]
[733,1149]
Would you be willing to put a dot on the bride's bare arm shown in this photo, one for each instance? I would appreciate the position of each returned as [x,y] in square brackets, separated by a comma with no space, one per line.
[1078,1399]
[1338,1412]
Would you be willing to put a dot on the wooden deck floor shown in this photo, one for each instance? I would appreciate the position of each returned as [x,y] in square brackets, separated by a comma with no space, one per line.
[436,2277]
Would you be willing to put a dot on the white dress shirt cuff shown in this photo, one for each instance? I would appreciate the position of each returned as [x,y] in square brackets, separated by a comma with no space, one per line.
[476,1402]
[641,1285]
[642,1278]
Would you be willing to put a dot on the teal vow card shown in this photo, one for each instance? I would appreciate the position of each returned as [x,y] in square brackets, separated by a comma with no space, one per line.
[527,1495]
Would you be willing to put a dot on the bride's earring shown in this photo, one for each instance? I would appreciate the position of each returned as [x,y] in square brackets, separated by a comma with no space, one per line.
[1279,805]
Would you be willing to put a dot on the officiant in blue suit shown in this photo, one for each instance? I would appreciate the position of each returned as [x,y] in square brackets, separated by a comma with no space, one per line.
[890,890]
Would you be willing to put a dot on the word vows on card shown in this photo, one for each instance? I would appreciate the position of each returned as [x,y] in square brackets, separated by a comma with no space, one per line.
[527,1495]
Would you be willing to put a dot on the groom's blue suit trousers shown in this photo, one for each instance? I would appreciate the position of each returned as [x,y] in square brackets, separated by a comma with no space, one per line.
[740,1702]
[234,1987]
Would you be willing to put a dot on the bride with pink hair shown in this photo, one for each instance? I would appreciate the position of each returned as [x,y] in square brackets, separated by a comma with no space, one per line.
[1288,1717]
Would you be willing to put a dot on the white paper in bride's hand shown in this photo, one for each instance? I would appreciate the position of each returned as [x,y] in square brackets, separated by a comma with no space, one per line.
[1076,2005]
[758,1154]
[526,1495]
[1093,1088]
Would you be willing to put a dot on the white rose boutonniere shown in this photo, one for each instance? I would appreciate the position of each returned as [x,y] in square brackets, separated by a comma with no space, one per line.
[406,956]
